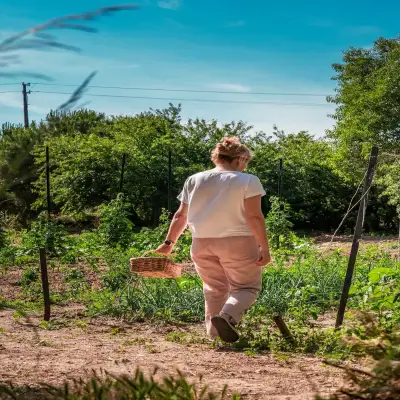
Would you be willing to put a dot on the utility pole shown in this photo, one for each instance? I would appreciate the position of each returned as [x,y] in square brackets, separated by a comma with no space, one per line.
[25,99]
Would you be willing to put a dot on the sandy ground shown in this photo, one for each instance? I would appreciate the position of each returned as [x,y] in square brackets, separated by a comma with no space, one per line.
[30,354]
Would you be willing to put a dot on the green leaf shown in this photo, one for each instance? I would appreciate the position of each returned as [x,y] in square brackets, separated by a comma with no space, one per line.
[378,273]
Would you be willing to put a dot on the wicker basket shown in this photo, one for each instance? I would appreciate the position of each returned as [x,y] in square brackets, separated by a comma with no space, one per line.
[155,267]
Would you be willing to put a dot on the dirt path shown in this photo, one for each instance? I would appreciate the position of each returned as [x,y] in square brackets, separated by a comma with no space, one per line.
[30,354]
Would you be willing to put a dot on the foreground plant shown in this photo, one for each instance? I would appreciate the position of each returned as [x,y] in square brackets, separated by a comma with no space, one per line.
[106,386]
[383,380]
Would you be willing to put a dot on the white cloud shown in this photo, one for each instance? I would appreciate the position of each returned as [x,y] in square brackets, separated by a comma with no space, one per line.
[235,24]
[231,87]
[169,4]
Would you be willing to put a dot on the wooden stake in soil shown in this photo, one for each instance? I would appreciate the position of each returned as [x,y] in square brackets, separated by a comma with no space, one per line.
[280,323]
[121,180]
[48,182]
[356,238]
[280,172]
[45,284]
[169,182]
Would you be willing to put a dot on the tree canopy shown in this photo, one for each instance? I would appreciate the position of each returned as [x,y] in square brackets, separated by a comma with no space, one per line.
[86,150]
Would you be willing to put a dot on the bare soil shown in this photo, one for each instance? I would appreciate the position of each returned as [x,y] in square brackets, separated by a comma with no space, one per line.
[30,355]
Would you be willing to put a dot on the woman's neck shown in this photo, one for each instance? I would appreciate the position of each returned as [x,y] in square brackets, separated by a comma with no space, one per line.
[225,167]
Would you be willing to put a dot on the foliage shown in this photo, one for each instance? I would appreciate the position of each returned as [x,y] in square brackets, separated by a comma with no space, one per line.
[380,293]
[278,223]
[383,381]
[366,115]
[17,170]
[389,178]
[317,195]
[44,233]
[86,150]
[84,172]
[115,227]
[7,251]
[106,386]
[260,334]
[366,96]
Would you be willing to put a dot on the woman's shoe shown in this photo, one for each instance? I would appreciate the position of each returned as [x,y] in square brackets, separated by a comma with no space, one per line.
[225,326]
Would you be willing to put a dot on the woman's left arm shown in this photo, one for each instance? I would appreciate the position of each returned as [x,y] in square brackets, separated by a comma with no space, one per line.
[177,227]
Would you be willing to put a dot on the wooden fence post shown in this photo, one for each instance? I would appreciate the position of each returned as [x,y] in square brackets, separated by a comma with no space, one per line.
[280,323]
[121,180]
[48,182]
[169,182]
[45,284]
[356,237]
[280,172]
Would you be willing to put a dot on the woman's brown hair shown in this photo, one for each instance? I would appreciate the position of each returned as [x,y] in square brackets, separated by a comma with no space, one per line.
[228,149]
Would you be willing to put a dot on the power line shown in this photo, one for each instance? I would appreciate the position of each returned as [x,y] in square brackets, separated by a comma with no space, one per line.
[189,90]
[196,100]
[11,91]
[10,84]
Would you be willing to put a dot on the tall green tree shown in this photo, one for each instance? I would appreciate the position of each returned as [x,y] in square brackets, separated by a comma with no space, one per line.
[367,113]
[367,99]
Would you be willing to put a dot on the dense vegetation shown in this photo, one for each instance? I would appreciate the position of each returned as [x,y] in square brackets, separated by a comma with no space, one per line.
[86,150]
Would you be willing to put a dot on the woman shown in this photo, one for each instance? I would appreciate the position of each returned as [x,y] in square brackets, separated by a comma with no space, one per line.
[223,210]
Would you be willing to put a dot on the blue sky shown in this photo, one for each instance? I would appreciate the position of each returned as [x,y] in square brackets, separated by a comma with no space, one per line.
[239,46]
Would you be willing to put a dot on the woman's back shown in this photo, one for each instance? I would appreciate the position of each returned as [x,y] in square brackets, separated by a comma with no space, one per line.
[216,202]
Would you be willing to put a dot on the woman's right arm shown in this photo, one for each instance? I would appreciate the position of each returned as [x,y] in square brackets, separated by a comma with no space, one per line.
[256,222]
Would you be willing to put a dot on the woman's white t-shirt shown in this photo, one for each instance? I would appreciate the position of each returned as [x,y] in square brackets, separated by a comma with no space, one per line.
[216,202]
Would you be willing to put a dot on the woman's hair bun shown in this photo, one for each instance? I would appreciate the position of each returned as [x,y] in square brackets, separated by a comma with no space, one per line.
[230,148]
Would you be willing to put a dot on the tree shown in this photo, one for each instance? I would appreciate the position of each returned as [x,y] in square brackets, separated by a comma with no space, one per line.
[17,170]
[318,197]
[368,113]
[368,99]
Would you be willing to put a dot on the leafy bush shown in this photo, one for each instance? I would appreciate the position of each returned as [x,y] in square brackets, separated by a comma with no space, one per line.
[278,224]
[260,334]
[7,251]
[30,275]
[107,386]
[115,227]
[45,233]
[380,293]
[383,381]
[8,255]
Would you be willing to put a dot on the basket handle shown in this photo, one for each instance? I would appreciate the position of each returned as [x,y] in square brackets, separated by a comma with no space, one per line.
[152,251]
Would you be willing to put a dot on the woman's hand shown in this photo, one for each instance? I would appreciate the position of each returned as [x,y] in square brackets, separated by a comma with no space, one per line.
[264,259]
[164,249]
